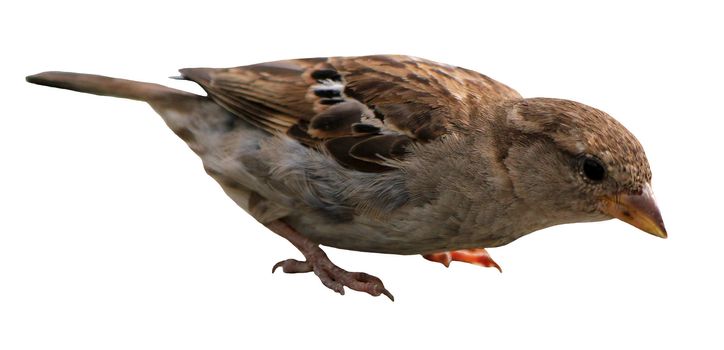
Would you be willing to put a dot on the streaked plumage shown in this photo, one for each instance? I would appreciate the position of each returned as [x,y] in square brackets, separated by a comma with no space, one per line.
[396,154]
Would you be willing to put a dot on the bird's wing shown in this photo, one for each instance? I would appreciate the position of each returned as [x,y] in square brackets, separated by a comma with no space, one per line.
[362,110]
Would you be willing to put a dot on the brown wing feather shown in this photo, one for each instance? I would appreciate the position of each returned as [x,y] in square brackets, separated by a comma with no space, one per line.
[419,97]
[361,110]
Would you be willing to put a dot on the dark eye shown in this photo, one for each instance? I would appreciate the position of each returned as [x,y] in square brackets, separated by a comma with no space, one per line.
[593,169]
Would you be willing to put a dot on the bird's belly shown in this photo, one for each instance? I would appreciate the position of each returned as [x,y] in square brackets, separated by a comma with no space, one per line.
[392,235]
[360,234]
[248,162]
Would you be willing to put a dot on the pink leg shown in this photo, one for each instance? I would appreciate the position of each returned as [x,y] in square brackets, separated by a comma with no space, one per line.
[317,261]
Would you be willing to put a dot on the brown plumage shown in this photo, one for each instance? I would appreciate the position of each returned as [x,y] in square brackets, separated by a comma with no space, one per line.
[396,154]
[332,101]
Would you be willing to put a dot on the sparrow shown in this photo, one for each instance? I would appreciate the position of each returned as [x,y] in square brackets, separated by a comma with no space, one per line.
[395,154]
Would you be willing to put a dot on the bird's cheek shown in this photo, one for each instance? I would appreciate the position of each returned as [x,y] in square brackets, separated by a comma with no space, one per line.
[639,210]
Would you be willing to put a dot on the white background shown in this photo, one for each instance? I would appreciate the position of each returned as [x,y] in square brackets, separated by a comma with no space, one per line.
[113,237]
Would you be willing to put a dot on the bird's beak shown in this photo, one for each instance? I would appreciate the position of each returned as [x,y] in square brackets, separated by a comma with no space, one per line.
[639,210]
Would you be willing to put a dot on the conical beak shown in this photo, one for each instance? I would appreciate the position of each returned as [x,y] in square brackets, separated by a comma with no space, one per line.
[639,210]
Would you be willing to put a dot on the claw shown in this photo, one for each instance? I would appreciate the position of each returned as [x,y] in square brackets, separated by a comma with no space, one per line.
[387,293]
[478,256]
[292,266]
[329,274]
[377,288]
[334,277]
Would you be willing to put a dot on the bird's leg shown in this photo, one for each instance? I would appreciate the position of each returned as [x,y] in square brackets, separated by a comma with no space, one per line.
[477,256]
[317,261]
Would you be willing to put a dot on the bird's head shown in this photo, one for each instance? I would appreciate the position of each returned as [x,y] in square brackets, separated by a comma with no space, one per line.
[579,163]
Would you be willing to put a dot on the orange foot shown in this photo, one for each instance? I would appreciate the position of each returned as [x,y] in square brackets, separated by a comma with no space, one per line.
[477,256]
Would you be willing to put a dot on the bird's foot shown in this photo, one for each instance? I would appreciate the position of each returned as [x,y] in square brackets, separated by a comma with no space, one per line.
[332,276]
[477,256]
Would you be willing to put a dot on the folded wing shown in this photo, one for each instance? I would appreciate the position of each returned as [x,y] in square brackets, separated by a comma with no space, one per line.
[363,111]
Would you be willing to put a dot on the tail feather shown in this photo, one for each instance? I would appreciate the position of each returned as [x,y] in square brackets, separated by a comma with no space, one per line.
[106,86]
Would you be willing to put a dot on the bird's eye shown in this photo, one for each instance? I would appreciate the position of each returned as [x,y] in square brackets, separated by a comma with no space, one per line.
[593,169]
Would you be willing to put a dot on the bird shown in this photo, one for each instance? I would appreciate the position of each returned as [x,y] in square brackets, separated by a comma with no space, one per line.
[395,154]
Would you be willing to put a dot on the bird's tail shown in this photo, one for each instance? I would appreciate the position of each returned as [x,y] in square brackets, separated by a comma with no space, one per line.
[196,119]
[106,86]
